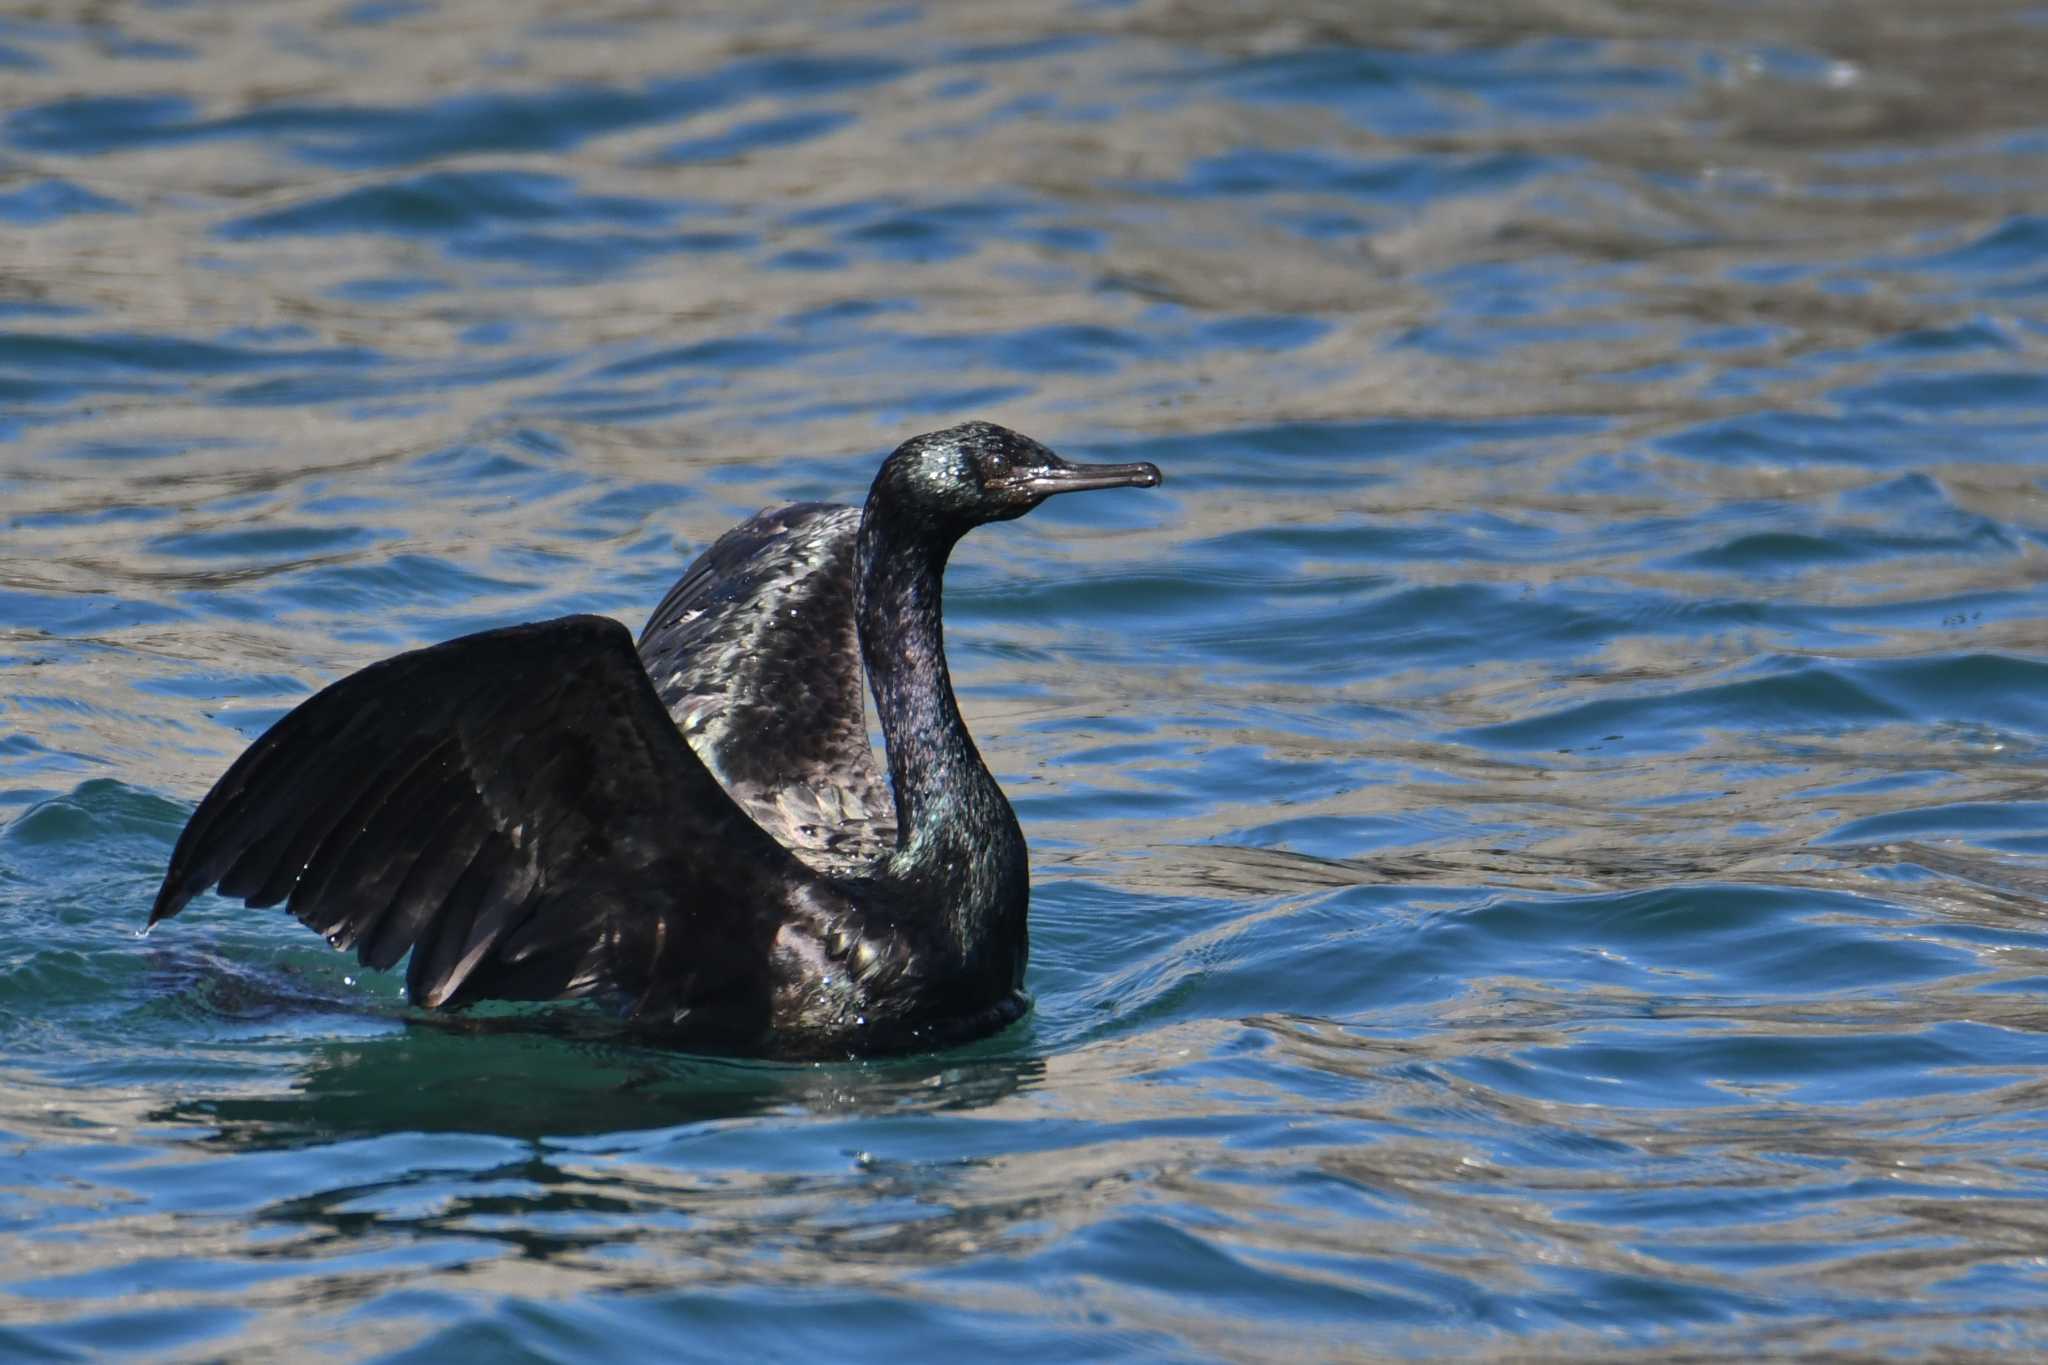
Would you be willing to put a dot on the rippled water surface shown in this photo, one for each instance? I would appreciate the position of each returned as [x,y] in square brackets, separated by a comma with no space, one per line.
[1540,827]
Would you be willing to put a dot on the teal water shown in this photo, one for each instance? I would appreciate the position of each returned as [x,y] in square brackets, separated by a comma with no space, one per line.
[1538,826]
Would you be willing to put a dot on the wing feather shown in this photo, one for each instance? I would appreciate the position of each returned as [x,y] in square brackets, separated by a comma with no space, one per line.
[756,655]
[514,808]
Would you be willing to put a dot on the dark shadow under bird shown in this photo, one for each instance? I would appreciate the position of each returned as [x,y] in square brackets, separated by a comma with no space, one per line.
[694,829]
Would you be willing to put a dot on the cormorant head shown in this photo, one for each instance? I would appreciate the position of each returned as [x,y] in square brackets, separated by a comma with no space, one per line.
[979,472]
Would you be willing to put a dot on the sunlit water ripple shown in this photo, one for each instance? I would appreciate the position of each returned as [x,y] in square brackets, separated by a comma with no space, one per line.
[1538,826]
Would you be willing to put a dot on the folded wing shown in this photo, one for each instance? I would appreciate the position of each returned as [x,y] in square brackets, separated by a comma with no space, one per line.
[515,809]
[754,652]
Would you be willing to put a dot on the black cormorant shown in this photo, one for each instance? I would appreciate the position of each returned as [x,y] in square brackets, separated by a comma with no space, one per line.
[695,829]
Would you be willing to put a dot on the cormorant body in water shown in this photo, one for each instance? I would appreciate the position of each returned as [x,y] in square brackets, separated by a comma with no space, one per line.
[697,829]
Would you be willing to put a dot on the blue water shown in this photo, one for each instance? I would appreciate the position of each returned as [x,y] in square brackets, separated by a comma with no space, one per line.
[1540,826]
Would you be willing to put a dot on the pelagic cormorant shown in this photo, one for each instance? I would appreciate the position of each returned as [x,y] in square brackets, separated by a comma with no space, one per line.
[695,829]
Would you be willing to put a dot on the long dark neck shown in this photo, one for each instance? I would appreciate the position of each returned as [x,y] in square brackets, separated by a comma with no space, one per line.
[958,847]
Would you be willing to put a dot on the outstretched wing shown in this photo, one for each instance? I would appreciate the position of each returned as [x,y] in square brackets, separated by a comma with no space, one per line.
[755,654]
[516,810]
